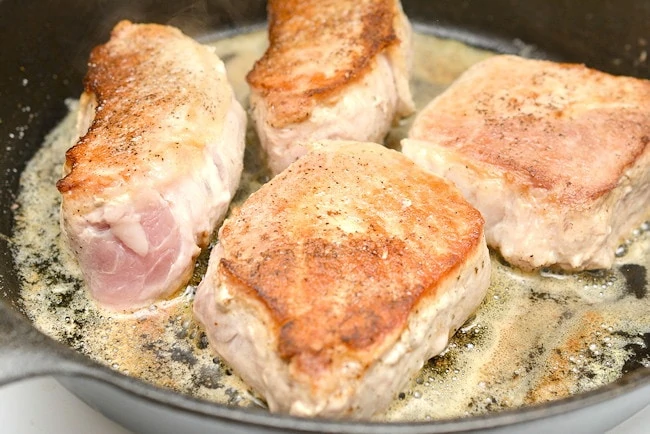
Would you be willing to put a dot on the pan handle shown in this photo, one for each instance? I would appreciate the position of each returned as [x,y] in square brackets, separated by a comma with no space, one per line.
[25,352]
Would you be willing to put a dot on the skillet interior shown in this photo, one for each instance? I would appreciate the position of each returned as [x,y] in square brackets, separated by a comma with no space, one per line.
[45,61]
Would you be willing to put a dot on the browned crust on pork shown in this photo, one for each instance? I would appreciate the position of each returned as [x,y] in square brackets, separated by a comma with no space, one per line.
[135,97]
[316,49]
[333,293]
[564,128]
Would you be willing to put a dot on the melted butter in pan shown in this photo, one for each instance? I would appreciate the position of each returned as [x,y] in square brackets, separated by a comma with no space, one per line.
[535,337]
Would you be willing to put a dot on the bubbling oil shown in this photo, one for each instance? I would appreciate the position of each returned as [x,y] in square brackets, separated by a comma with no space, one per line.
[535,338]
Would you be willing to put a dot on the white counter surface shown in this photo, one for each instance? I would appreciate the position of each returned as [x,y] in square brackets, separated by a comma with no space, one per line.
[44,406]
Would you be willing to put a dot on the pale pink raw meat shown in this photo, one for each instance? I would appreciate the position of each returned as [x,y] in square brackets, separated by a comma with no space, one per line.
[159,158]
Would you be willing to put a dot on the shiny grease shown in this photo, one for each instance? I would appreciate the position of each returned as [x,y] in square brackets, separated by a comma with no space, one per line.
[536,337]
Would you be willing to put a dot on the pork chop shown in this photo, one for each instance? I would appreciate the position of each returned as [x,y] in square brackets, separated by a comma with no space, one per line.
[335,69]
[158,161]
[555,156]
[334,283]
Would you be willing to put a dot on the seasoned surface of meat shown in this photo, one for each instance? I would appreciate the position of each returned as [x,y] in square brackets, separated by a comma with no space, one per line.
[155,168]
[555,156]
[338,279]
[335,69]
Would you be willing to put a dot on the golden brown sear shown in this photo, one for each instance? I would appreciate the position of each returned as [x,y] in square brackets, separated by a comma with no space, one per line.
[350,257]
[316,49]
[555,156]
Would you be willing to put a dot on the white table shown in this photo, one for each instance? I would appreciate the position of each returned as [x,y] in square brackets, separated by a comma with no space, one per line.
[43,406]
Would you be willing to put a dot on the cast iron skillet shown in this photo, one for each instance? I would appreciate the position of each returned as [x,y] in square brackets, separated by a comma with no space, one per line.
[44,48]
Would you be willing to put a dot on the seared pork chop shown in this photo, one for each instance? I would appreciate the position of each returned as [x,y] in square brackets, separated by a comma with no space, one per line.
[339,278]
[555,156]
[334,69]
[159,158]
